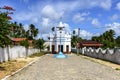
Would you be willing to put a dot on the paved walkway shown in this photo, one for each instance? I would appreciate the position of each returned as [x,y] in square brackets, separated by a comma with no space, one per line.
[73,68]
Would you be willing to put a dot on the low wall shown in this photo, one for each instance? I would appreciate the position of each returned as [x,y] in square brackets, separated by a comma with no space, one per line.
[15,52]
[112,55]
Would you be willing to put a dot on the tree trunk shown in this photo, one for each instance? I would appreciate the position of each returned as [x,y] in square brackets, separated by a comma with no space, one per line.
[39,50]
[8,53]
[26,52]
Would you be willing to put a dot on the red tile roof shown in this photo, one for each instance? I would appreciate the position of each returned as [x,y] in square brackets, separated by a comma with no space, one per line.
[90,43]
[18,39]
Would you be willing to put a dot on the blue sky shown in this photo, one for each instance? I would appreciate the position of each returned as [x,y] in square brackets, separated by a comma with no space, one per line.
[93,17]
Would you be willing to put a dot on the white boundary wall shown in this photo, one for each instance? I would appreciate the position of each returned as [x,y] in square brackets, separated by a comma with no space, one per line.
[15,52]
[112,55]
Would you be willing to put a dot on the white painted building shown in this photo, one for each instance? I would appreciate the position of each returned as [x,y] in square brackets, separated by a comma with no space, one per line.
[65,37]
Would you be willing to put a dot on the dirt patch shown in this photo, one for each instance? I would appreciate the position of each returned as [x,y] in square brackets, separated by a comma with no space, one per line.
[7,68]
[107,63]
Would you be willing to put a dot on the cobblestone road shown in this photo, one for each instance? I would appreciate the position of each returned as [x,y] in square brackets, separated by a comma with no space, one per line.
[72,68]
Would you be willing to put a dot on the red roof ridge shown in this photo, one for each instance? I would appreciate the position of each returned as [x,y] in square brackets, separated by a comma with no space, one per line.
[18,39]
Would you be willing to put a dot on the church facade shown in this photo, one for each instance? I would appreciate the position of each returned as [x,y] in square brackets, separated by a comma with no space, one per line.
[60,40]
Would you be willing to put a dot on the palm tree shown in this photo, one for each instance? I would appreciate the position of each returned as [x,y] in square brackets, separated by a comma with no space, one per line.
[94,38]
[33,31]
[27,34]
[21,30]
[36,31]
[107,38]
[117,41]
[17,31]
[111,34]
[14,30]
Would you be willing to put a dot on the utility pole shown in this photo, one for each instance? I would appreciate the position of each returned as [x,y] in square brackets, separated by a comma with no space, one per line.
[78,41]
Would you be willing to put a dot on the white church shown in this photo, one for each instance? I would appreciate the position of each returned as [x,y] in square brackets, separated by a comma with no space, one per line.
[60,40]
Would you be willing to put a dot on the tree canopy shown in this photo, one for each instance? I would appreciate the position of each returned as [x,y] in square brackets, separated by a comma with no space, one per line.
[107,39]
[39,43]
[75,40]
[13,29]
[5,25]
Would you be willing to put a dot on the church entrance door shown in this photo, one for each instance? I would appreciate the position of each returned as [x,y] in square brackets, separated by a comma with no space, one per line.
[53,48]
[67,48]
[61,48]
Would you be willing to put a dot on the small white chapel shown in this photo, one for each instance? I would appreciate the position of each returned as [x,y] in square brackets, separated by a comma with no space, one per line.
[60,40]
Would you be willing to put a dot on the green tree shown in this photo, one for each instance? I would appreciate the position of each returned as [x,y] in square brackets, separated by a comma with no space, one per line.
[4,30]
[13,30]
[117,40]
[109,35]
[74,40]
[21,30]
[18,30]
[25,43]
[107,38]
[5,27]
[95,38]
[39,44]
[32,31]
[27,34]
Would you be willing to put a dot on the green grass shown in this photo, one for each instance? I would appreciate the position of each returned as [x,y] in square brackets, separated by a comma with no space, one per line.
[117,69]
[37,54]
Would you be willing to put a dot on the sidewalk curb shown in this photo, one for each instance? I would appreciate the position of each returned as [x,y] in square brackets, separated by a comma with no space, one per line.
[6,77]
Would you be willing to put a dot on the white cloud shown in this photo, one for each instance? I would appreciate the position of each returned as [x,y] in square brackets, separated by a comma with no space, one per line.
[67,26]
[114,26]
[85,4]
[115,17]
[96,22]
[85,34]
[106,4]
[81,4]
[35,20]
[49,17]
[45,22]
[118,6]
[45,25]
[66,5]
[49,12]
[26,26]
[23,16]
[57,9]
[44,36]
[46,16]
[81,17]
